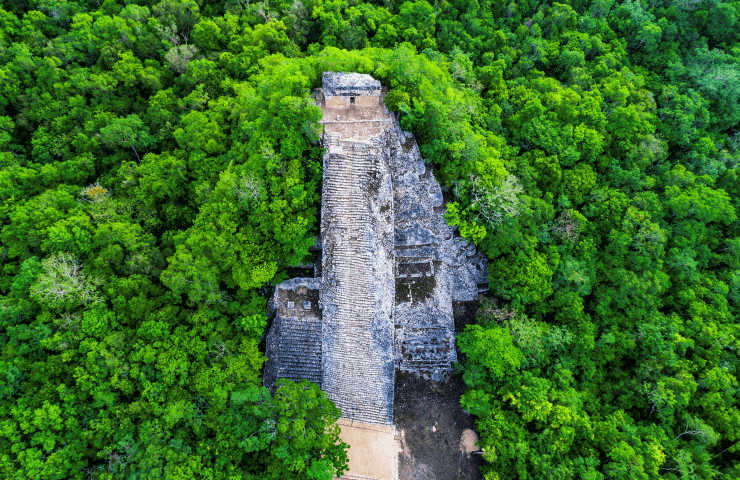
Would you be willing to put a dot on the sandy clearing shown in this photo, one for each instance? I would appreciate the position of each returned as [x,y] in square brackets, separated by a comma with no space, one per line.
[372,454]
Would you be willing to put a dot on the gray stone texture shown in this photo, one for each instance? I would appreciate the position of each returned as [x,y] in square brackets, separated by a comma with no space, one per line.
[390,266]
[424,325]
[349,84]
[357,280]
[294,340]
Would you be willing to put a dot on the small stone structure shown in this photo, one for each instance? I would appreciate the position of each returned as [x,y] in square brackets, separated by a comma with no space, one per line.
[390,265]
[294,342]
[343,90]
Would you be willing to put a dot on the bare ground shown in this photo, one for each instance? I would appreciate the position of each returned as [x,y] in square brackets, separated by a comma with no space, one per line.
[434,434]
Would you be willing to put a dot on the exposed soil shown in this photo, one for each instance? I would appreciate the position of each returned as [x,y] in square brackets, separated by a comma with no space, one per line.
[432,428]
[435,436]
[464,314]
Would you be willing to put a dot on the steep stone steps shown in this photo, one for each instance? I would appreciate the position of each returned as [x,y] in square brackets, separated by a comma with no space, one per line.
[354,374]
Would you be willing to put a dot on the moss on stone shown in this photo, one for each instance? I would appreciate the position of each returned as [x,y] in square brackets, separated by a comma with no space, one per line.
[403,292]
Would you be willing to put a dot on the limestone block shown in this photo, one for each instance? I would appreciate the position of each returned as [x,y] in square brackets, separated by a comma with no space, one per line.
[293,342]
[367,100]
[357,283]
[415,235]
[435,194]
[341,83]
[335,101]
[481,269]
[408,210]
[463,285]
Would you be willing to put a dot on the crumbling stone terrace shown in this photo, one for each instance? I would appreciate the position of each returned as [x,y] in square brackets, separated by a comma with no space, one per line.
[391,266]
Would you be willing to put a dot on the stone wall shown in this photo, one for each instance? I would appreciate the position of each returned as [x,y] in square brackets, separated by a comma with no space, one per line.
[341,101]
[434,267]
[424,325]
[349,84]
[350,90]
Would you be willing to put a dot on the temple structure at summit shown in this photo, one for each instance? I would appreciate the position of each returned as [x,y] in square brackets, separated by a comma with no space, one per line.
[390,265]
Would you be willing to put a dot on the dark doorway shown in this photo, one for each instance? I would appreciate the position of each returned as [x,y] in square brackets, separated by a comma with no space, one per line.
[352,100]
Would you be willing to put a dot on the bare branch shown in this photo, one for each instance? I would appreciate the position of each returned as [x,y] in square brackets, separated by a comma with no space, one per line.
[495,204]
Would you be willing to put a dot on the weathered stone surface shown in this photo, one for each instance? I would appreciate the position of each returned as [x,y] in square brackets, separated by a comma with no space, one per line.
[390,265]
[350,90]
[294,340]
[341,83]
[424,326]
[357,281]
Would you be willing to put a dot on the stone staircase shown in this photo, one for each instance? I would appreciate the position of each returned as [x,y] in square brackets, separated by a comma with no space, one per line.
[355,373]
[427,350]
[301,358]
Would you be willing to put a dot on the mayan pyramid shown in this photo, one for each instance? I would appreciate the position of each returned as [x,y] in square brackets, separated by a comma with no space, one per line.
[390,265]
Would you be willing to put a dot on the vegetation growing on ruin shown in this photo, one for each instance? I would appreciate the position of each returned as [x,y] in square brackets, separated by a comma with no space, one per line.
[159,165]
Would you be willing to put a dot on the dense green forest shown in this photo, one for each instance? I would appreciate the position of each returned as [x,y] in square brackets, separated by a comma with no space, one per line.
[160,169]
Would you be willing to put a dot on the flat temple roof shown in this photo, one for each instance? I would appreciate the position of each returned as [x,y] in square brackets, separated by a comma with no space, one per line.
[339,82]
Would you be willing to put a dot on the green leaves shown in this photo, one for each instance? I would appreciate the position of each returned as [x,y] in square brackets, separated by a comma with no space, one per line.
[699,201]
[11,380]
[492,348]
[715,74]
[468,229]
[415,23]
[297,426]
[129,132]
[523,279]
[307,418]
[254,325]
[595,122]
[160,164]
